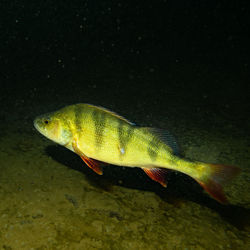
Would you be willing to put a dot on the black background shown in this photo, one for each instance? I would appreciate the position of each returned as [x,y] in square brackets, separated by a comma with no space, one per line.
[150,56]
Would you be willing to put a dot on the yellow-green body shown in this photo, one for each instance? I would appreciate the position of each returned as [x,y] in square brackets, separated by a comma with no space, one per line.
[107,137]
[99,134]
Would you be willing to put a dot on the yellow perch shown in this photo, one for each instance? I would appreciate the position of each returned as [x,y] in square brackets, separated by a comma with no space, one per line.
[98,135]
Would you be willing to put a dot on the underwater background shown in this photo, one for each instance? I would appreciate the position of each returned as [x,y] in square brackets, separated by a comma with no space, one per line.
[182,66]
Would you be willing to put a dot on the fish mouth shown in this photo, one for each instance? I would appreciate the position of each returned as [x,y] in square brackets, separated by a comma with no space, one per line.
[35,123]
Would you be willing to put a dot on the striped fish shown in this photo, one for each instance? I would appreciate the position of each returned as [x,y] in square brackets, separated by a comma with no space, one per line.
[99,135]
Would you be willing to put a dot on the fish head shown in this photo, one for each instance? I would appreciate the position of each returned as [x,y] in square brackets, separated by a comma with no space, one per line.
[54,128]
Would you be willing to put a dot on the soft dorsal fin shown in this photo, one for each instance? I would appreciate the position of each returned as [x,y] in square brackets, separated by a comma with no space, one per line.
[112,113]
[164,136]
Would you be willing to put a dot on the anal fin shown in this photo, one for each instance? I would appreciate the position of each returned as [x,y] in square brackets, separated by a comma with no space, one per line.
[157,174]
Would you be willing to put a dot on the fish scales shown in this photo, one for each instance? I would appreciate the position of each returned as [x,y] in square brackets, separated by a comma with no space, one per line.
[100,135]
[94,136]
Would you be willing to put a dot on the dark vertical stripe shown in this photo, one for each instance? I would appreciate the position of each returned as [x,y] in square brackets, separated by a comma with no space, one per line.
[79,110]
[152,149]
[125,133]
[99,119]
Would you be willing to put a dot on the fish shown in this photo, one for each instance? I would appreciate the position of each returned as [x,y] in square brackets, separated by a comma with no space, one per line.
[100,137]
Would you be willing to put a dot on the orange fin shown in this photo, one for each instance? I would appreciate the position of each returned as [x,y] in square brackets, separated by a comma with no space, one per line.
[220,174]
[157,174]
[93,164]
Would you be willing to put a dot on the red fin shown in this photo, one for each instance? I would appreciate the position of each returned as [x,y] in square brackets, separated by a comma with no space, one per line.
[93,164]
[157,174]
[220,174]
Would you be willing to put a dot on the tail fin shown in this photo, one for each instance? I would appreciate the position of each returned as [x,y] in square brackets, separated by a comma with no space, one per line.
[214,177]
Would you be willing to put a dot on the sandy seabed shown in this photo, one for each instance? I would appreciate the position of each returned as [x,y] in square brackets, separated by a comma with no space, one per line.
[51,200]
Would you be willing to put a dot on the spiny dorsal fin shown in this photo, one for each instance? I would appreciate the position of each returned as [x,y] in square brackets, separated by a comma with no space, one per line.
[164,136]
[112,113]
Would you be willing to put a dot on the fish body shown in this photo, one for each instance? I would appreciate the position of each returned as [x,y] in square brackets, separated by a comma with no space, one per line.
[99,135]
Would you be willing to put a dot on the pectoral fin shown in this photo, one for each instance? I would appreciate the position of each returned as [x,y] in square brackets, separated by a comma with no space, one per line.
[93,164]
[157,174]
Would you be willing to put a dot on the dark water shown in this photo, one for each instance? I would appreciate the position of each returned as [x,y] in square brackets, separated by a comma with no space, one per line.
[181,66]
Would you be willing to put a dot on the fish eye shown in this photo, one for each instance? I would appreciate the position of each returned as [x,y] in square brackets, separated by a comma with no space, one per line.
[46,121]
